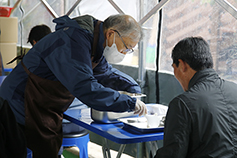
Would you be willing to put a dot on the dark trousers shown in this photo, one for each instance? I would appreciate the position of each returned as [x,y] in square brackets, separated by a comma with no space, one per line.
[12,139]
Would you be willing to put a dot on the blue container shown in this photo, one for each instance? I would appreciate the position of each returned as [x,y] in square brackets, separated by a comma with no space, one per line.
[29,153]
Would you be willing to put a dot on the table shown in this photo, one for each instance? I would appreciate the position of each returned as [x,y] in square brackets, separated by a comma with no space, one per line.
[114,132]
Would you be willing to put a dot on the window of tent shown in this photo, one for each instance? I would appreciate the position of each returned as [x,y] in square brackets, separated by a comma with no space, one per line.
[205,18]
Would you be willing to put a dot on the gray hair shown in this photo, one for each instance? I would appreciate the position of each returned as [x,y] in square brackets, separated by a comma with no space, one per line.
[126,25]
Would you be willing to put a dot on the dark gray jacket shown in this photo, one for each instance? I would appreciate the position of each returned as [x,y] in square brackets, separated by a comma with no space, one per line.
[202,122]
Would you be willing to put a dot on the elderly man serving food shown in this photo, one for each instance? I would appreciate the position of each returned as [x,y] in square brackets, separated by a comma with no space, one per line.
[72,62]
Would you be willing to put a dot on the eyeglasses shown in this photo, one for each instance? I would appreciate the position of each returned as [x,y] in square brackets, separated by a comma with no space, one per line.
[127,50]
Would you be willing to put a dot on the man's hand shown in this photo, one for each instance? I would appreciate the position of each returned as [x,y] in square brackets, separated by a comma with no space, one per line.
[140,108]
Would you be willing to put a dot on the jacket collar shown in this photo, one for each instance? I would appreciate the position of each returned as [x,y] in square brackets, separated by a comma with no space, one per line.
[100,47]
[201,76]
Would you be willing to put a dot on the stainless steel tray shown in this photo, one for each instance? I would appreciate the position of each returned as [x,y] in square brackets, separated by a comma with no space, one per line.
[139,124]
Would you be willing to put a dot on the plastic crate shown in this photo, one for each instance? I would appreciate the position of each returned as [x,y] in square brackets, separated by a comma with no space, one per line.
[5,11]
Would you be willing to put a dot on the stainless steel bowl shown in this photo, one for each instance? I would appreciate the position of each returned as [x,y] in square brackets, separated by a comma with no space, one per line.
[108,117]
[112,117]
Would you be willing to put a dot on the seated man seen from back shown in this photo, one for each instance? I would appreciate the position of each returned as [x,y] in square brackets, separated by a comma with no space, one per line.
[201,122]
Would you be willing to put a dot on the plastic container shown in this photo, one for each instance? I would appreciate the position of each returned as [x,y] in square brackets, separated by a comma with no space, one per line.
[5,11]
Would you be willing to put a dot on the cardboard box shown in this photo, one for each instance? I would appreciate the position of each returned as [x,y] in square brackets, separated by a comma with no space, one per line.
[9,52]
[8,29]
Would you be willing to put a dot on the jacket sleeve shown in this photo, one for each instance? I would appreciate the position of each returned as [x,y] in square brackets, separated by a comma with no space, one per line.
[70,62]
[115,79]
[177,131]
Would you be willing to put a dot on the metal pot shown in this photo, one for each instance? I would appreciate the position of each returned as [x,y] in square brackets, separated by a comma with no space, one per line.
[112,117]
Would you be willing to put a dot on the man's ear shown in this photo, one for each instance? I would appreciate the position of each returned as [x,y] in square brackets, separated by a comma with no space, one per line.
[183,65]
[109,33]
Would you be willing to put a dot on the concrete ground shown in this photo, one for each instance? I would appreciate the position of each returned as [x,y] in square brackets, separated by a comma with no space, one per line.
[94,151]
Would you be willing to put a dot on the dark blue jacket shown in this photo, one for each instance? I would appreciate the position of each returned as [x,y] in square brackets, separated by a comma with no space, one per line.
[65,56]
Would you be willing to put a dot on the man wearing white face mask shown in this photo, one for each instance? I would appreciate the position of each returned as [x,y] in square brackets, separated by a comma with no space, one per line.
[72,62]
[111,54]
